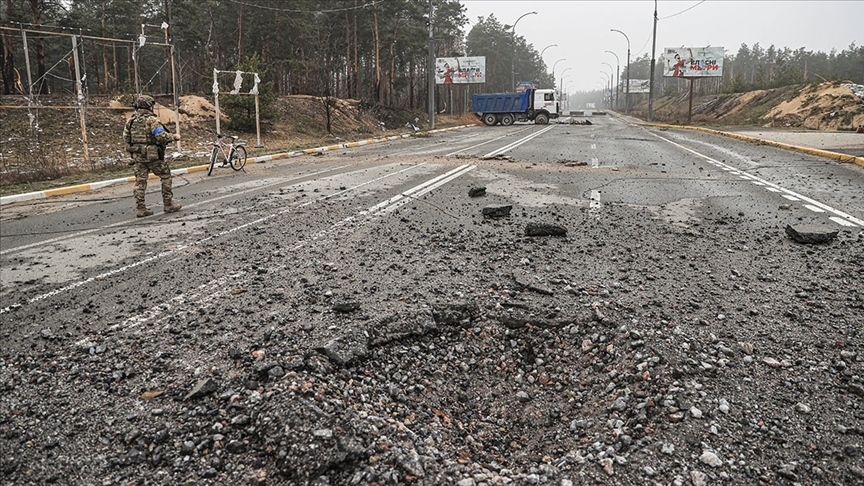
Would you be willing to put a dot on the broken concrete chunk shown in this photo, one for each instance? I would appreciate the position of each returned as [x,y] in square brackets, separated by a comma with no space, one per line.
[343,351]
[346,307]
[811,234]
[202,388]
[477,192]
[497,211]
[541,229]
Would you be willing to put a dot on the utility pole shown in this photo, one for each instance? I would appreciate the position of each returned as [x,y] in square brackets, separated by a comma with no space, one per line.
[431,72]
[651,80]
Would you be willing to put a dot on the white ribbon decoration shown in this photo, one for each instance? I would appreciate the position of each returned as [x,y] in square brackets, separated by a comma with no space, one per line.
[254,90]
[238,82]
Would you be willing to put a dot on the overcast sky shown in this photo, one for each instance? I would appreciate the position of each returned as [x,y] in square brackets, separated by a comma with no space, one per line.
[582,29]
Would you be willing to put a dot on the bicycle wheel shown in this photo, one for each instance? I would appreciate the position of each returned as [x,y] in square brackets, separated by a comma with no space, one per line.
[238,157]
[212,161]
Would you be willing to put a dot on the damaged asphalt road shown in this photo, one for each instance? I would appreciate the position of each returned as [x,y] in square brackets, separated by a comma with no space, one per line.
[645,318]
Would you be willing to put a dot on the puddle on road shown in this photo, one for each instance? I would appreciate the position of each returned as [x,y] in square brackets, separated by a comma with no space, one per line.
[525,193]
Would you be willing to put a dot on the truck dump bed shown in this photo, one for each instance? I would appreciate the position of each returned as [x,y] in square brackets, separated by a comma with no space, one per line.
[501,102]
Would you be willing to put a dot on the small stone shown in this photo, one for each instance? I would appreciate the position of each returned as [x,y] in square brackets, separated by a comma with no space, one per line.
[711,459]
[802,407]
[698,478]
[723,406]
[695,412]
[477,192]
[856,389]
[236,447]
[788,471]
[522,396]
[676,417]
[607,462]
[668,449]
[202,388]
[649,471]
[541,229]
[497,211]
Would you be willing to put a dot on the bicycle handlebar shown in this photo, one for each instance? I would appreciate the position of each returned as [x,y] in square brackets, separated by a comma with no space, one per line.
[221,135]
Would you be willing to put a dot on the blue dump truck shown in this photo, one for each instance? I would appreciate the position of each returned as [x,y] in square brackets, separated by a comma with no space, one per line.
[537,105]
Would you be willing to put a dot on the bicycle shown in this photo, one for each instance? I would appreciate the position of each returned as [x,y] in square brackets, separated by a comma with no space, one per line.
[233,152]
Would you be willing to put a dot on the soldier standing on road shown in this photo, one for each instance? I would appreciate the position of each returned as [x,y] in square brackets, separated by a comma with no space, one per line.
[146,139]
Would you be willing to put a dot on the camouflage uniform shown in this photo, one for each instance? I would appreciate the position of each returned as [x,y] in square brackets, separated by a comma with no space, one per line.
[146,138]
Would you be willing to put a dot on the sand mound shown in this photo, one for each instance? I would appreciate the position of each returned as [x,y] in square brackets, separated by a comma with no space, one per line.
[826,106]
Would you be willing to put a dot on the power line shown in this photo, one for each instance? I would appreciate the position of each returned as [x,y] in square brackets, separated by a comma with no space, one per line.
[289,10]
[681,12]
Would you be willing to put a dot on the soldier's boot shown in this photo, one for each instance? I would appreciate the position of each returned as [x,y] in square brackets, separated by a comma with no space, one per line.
[171,207]
[143,211]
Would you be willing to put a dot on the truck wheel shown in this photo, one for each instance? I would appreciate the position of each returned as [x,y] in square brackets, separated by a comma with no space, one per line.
[542,119]
[508,119]
[490,119]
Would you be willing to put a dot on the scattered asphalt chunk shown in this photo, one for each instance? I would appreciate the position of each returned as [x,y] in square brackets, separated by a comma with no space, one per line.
[346,307]
[455,313]
[477,192]
[574,163]
[542,229]
[497,211]
[201,389]
[525,282]
[811,234]
[342,351]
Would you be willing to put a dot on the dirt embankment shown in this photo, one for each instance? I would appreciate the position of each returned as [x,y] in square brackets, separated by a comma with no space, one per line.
[825,106]
[45,142]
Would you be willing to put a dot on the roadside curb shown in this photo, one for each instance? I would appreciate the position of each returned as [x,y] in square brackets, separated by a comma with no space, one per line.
[62,191]
[762,141]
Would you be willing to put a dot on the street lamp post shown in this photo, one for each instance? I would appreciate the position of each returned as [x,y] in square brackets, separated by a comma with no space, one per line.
[611,79]
[617,77]
[513,54]
[627,92]
[607,82]
[561,83]
[544,50]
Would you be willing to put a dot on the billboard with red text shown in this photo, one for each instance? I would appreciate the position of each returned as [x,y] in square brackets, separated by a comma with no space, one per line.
[692,62]
[460,70]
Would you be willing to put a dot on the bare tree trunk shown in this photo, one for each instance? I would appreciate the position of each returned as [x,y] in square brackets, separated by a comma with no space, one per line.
[358,76]
[7,63]
[240,34]
[348,84]
[106,82]
[392,88]
[35,8]
[377,48]
[411,85]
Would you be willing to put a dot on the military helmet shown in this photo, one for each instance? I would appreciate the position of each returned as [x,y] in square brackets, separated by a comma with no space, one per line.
[144,101]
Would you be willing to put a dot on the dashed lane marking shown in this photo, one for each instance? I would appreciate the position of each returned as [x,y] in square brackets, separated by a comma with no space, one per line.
[812,204]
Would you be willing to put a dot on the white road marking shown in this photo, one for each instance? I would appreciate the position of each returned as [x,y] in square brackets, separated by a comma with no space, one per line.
[192,205]
[787,192]
[594,202]
[841,221]
[791,198]
[179,248]
[484,143]
[595,162]
[593,146]
[210,291]
[814,208]
[517,143]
